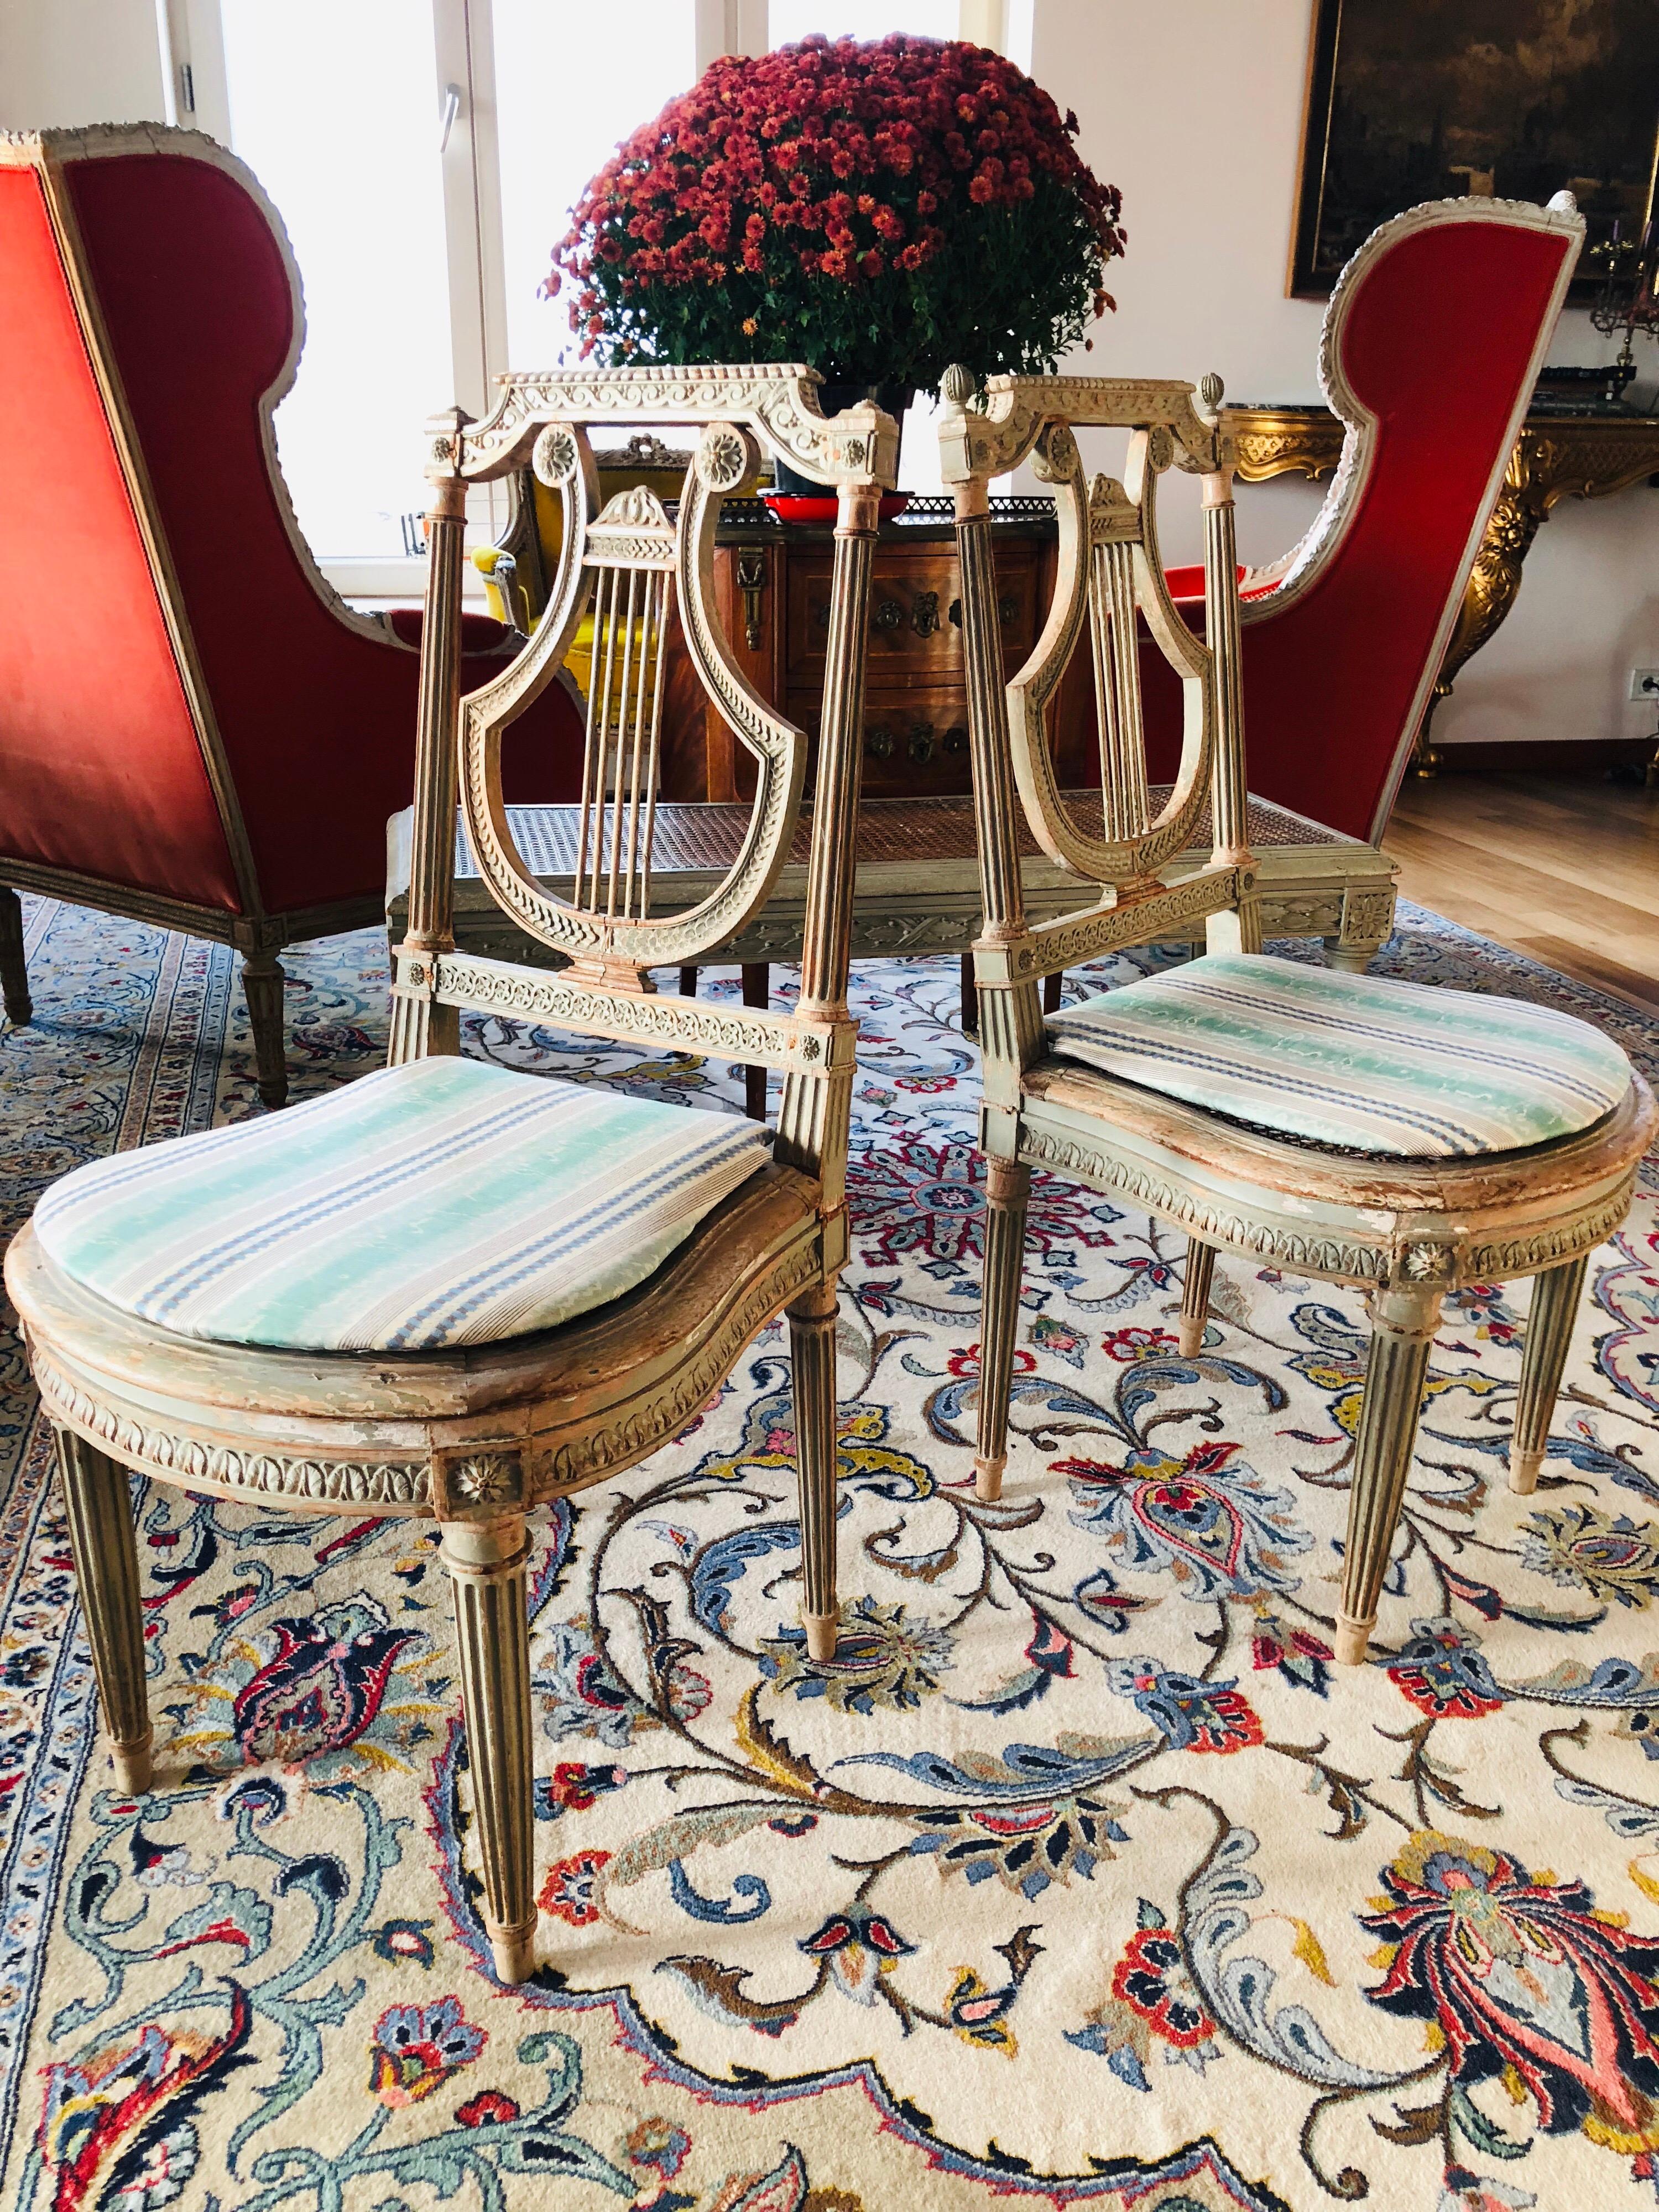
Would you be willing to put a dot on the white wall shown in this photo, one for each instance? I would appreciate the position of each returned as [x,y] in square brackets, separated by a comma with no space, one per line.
[68,62]
[1193,109]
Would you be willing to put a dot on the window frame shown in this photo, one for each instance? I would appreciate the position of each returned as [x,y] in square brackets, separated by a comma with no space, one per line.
[193,59]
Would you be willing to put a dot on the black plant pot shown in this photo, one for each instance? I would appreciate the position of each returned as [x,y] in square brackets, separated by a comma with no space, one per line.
[833,395]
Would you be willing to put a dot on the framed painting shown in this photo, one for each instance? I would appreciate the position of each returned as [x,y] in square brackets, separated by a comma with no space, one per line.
[1430,99]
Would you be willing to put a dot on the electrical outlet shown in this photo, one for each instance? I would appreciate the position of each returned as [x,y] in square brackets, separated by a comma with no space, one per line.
[1644,684]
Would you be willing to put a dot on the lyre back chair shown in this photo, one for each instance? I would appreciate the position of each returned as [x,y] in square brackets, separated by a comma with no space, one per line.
[448,1292]
[1338,1125]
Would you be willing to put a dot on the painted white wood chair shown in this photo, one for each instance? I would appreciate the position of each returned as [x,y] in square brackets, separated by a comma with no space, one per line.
[451,1292]
[1338,1125]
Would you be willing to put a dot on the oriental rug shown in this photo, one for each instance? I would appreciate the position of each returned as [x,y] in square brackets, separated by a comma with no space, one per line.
[1081,1877]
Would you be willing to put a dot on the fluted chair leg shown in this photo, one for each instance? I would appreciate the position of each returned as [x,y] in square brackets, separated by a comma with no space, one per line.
[1555,1296]
[262,980]
[486,1567]
[1007,1194]
[13,975]
[1404,1318]
[813,1355]
[1195,1295]
[98,1500]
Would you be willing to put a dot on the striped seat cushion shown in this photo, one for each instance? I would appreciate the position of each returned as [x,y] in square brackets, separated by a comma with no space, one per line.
[1355,1063]
[443,1203]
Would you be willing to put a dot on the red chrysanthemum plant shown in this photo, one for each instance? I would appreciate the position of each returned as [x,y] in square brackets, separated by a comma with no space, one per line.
[877,211]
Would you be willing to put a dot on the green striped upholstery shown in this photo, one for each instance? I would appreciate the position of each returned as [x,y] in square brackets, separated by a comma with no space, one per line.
[1356,1063]
[446,1202]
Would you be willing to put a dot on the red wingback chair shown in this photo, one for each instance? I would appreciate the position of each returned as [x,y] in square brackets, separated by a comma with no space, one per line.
[1431,345]
[194,728]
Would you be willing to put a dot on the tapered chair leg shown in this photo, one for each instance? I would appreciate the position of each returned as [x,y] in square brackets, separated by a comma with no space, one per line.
[13,975]
[1195,1295]
[1404,1318]
[262,980]
[812,1354]
[105,1546]
[1555,1296]
[756,992]
[1007,1194]
[487,1571]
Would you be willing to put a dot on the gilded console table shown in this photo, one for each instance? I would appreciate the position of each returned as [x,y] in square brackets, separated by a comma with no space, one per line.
[1585,454]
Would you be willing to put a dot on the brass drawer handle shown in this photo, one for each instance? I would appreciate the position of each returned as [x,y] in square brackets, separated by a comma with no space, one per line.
[752,582]
[889,615]
[920,745]
[924,614]
[1007,610]
[878,742]
[956,738]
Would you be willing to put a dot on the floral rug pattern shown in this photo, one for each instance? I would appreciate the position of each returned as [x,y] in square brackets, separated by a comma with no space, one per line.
[1081,1875]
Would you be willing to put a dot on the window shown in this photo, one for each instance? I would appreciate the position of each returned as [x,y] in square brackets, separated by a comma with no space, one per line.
[571,83]
[425,161]
[789,20]
[367,229]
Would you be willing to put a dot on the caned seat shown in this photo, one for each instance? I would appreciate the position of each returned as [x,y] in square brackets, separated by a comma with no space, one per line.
[1342,1126]
[455,1292]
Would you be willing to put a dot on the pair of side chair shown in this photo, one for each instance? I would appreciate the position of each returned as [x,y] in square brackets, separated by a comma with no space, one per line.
[454,1293]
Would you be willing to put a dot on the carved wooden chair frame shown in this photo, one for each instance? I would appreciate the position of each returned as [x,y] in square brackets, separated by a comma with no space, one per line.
[1409,1230]
[476,1436]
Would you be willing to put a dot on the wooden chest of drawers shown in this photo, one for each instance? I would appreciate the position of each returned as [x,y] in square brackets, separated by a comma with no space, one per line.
[773,585]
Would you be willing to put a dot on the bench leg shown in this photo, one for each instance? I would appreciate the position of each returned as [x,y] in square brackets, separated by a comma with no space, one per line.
[688,982]
[1052,987]
[969,998]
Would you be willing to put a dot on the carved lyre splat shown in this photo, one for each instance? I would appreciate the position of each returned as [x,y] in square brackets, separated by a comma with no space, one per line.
[629,568]
[626,568]
[1109,580]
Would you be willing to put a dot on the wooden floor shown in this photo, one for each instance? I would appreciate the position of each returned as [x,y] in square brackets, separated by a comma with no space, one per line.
[1563,869]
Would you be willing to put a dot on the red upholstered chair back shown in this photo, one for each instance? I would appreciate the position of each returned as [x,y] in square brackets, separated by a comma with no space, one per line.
[1431,345]
[102,769]
[186,707]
